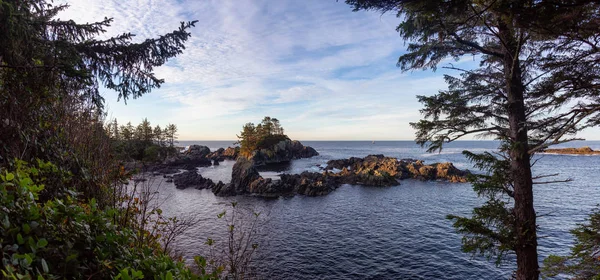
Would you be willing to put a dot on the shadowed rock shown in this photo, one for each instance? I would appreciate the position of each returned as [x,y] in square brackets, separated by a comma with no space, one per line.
[192,179]
[283,151]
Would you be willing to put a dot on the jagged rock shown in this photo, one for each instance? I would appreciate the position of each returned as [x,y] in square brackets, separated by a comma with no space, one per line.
[192,179]
[197,151]
[215,161]
[231,153]
[314,184]
[573,151]
[378,170]
[242,175]
[283,151]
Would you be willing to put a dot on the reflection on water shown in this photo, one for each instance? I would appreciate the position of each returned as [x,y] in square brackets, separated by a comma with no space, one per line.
[384,233]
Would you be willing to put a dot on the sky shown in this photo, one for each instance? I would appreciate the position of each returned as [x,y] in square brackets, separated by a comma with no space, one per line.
[325,72]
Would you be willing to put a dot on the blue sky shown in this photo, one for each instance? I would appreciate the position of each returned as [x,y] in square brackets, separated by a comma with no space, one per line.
[325,72]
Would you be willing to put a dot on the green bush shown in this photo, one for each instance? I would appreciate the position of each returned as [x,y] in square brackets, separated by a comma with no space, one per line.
[67,238]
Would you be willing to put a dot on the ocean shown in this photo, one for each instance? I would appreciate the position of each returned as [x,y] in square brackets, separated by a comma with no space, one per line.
[399,232]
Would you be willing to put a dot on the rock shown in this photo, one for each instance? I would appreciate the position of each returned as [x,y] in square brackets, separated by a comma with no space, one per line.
[378,170]
[283,151]
[197,151]
[231,153]
[242,175]
[215,161]
[572,151]
[315,184]
[192,179]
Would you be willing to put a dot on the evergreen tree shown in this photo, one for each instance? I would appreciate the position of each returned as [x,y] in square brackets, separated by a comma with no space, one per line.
[158,136]
[584,260]
[171,134]
[144,132]
[537,85]
[51,70]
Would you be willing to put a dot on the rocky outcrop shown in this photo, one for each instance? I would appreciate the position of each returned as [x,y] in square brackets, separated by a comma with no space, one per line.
[378,170]
[222,154]
[572,151]
[192,179]
[231,153]
[283,151]
[194,156]
[242,175]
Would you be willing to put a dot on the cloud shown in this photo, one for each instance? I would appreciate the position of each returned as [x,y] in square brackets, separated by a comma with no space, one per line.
[324,71]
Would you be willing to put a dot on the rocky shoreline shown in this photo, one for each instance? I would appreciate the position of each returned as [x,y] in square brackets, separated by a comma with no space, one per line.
[373,170]
[572,151]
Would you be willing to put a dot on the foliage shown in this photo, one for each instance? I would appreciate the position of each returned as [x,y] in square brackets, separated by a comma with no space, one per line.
[266,134]
[70,238]
[50,73]
[537,85]
[142,143]
[64,211]
[584,260]
[234,257]
[490,230]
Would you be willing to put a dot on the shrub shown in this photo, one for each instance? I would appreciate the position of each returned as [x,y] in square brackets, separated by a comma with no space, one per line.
[68,238]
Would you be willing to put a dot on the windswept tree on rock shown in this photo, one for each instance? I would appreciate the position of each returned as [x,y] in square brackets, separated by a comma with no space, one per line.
[537,84]
[265,134]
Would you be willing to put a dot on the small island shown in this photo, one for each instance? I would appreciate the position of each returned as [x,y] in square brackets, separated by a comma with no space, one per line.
[572,151]
[266,144]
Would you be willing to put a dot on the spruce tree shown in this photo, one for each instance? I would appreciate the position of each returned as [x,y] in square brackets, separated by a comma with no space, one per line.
[51,71]
[537,85]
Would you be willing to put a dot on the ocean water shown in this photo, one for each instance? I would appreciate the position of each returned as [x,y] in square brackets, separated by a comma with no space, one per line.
[400,232]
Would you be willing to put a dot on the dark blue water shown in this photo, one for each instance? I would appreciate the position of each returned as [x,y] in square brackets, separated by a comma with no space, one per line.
[384,233]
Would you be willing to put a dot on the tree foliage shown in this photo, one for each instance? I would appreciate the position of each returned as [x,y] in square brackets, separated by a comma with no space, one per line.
[584,260]
[537,84]
[142,142]
[264,135]
[64,209]
[51,70]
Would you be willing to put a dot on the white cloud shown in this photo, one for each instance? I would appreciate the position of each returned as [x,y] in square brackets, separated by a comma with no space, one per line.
[247,59]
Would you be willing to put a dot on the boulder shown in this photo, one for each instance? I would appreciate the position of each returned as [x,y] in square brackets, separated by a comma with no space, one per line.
[231,153]
[197,151]
[283,151]
[192,179]
[194,156]
[242,175]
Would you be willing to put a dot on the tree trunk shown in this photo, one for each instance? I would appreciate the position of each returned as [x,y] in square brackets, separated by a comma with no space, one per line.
[520,168]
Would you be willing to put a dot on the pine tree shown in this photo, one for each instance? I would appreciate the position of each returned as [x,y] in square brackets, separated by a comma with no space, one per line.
[537,85]
[584,260]
[158,136]
[171,134]
[52,69]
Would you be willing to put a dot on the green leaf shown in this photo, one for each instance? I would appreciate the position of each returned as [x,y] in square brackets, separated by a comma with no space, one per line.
[20,239]
[42,243]
[169,276]
[10,176]
[26,228]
